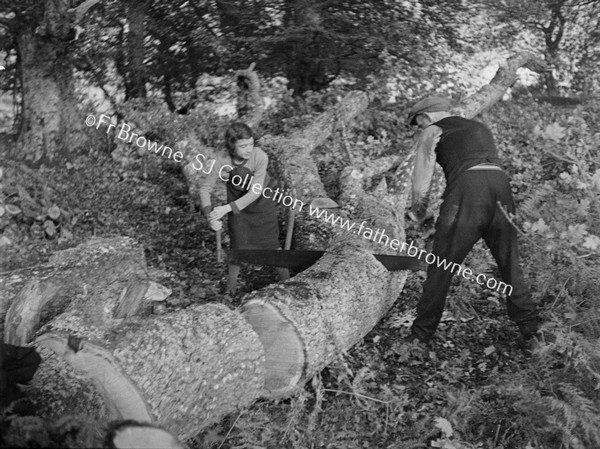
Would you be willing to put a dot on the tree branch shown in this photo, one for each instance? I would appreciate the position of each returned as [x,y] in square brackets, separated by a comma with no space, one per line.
[201,13]
[250,104]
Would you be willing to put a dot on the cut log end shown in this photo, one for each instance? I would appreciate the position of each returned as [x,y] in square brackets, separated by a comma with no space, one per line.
[284,349]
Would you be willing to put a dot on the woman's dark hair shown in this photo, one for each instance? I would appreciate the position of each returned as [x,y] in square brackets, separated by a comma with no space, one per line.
[235,132]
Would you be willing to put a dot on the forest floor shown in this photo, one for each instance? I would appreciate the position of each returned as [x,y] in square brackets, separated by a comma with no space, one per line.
[381,394]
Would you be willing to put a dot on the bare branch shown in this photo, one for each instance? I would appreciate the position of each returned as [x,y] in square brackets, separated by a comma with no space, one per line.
[201,13]
[250,104]
[505,77]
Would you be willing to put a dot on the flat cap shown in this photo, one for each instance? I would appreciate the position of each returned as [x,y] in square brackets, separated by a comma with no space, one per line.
[429,104]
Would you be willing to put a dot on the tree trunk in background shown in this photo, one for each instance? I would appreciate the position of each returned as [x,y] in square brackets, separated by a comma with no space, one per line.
[553,60]
[305,67]
[136,72]
[168,92]
[553,34]
[51,126]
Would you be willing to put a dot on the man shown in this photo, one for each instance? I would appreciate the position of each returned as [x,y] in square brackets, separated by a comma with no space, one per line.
[475,184]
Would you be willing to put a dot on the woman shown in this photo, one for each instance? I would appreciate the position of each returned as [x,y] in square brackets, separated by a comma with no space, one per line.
[253,220]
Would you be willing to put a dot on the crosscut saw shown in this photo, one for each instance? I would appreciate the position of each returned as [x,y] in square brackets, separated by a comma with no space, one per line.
[302,259]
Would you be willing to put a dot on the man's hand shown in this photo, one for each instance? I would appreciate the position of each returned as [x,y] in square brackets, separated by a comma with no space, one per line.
[427,225]
[218,212]
[216,225]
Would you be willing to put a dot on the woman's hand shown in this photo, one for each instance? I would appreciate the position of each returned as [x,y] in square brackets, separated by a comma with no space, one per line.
[216,225]
[218,212]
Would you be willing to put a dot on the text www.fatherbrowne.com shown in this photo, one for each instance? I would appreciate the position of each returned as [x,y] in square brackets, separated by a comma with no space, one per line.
[379,235]
[125,134]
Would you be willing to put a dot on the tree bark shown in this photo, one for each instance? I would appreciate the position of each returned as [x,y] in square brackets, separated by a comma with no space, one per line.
[183,370]
[135,82]
[50,127]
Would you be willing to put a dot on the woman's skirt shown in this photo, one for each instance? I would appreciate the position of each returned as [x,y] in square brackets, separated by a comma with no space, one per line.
[255,227]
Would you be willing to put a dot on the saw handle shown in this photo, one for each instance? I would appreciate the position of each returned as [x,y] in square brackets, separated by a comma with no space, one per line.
[290,229]
[219,247]
[290,225]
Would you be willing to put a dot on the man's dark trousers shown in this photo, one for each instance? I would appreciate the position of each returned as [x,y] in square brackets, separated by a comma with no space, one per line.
[468,213]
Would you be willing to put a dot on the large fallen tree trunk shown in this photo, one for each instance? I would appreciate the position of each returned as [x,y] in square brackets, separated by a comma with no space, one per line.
[106,278]
[184,369]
